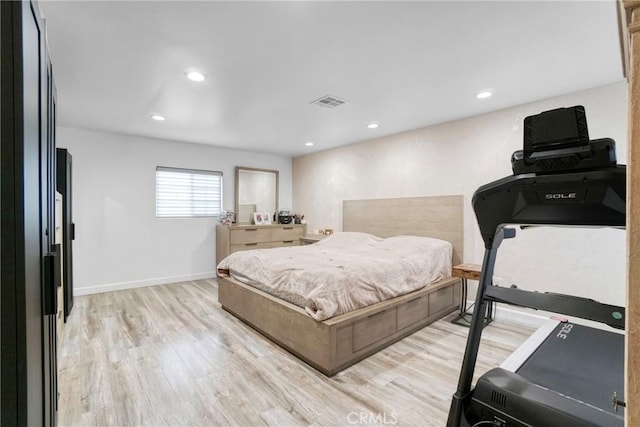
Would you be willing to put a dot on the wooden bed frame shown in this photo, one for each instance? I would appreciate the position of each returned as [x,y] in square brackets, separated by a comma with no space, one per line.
[334,344]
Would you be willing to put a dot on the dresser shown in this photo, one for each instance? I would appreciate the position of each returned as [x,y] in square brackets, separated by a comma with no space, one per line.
[233,238]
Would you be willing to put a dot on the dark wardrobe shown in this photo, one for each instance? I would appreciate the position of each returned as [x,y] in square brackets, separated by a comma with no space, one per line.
[28,279]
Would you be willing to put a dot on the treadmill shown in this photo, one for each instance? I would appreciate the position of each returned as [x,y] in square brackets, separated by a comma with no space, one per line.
[565,374]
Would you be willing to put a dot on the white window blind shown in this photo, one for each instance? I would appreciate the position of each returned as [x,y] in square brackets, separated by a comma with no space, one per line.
[188,192]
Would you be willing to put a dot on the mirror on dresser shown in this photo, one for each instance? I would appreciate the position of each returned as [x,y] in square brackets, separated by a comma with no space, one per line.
[256,191]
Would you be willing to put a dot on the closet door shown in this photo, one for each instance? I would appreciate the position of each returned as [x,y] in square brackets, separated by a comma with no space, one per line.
[28,376]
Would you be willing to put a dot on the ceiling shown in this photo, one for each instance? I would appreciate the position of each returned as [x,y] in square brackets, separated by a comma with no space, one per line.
[404,65]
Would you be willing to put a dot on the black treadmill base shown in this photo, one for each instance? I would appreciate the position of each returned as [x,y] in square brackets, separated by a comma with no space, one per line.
[569,380]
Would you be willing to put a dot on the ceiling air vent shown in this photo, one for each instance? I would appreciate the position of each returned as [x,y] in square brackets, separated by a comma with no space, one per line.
[329,101]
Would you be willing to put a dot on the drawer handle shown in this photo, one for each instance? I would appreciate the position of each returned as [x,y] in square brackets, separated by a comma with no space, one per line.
[251,244]
[250,229]
[377,314]
[287,241]
[413,300]
[287,228]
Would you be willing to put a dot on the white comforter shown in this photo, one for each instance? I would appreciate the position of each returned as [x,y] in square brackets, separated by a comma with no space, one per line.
[344,272]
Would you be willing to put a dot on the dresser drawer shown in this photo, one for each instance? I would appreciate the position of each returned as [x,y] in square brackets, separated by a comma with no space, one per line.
[249,235]
[236,238]
[286,234]
[374,328]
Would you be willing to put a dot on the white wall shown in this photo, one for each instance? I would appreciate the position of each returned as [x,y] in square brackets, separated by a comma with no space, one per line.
[119,241]
[456,158]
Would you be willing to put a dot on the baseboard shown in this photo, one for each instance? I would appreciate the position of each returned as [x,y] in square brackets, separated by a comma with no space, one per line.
[110,287]
[514,315]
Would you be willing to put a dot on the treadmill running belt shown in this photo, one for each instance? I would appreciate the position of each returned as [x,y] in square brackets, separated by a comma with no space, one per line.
[581,362]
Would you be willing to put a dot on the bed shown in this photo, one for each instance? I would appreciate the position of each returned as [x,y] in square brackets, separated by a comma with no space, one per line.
[333,344]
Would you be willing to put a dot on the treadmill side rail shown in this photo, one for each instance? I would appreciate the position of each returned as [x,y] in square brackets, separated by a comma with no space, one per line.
[611,315]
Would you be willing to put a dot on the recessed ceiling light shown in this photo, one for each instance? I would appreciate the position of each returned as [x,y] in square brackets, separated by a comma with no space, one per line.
[195,76]
[372,125]
[484,95]
[158,117]
[309,144]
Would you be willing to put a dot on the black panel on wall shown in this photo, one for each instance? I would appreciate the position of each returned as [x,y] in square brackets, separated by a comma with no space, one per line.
[68,227]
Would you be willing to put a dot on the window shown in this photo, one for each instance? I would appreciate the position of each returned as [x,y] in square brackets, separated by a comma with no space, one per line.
[187,192]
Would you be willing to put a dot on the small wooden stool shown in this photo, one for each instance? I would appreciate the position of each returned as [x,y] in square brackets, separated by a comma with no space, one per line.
[465,272]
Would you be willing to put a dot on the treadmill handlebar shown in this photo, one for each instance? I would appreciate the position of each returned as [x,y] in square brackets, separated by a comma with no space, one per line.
[461,396]
[569,305]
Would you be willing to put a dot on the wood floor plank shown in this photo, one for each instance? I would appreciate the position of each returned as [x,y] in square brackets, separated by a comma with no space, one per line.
[169,355]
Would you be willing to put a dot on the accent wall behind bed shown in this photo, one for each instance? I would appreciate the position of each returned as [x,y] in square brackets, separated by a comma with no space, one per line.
[456,158]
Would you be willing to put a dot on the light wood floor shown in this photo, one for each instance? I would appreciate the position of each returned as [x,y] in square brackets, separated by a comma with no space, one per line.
[169,355]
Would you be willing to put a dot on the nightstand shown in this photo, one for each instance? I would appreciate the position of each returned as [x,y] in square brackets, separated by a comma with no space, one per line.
[465,272]
[310,239]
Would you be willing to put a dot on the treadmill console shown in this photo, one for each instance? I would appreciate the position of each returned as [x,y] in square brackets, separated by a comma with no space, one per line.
[558,141]
[560,177]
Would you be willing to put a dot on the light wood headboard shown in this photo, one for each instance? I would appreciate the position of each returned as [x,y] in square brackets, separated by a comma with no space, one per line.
[438,216]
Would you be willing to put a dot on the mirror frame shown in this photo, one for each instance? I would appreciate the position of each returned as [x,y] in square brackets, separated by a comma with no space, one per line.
[237,184]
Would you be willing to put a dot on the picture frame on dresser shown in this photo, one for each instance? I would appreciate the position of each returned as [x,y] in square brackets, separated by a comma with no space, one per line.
[262,218]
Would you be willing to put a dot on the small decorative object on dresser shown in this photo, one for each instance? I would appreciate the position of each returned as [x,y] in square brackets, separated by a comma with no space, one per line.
[227,217]
[235,238]
[285,217]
